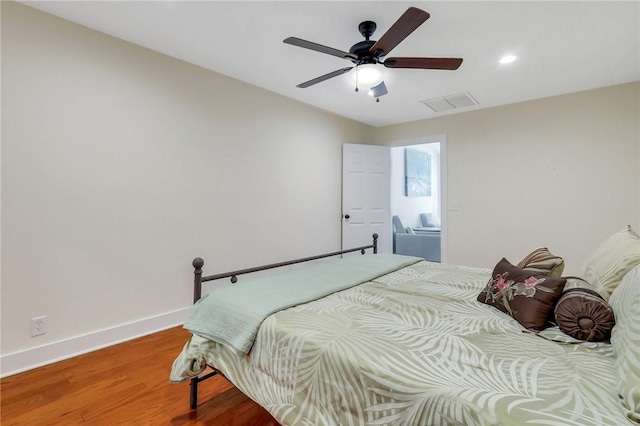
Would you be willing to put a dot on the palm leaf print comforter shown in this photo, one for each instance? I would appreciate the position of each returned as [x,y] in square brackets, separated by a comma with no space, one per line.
[414,347]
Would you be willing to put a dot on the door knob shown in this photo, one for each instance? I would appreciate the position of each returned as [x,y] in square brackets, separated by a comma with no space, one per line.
[346,216]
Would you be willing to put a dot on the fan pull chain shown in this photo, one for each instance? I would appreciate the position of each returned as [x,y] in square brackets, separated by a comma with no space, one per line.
[357,90]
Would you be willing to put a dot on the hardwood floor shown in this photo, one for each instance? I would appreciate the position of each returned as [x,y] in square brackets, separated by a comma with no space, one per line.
[126,384]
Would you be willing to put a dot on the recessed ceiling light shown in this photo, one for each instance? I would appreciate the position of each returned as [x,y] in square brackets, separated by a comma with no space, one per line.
[507,59]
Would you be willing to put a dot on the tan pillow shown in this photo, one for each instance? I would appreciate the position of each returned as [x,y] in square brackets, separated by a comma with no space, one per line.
[577,282]
[543,262]
[616,256]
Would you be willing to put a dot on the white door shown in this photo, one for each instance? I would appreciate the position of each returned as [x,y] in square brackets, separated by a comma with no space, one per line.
[366,196]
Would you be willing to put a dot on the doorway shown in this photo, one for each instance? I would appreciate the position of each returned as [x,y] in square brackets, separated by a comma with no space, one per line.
[366,191]
[418,198]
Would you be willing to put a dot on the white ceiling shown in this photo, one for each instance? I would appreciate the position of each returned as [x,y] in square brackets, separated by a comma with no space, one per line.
[562,47]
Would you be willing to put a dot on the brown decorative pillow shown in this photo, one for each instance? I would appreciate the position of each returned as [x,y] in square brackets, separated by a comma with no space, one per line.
[528,297]
[584,315]
[543,262]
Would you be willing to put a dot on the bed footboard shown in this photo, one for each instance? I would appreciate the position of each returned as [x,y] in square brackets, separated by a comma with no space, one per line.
[198,279]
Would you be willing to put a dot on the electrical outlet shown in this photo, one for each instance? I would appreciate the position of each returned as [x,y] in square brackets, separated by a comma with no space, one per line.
[38,326]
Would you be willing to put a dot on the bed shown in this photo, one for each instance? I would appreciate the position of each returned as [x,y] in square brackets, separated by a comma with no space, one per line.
[405,341]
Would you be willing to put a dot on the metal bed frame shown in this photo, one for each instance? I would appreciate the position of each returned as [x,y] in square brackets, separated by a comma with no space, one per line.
[198,279]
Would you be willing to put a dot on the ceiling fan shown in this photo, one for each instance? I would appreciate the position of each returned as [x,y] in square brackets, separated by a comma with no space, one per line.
[371,52]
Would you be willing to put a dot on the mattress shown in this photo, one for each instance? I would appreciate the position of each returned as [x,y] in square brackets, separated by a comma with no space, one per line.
[414,347]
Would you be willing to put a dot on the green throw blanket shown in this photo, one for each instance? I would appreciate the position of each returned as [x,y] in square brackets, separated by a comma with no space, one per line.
[232,314]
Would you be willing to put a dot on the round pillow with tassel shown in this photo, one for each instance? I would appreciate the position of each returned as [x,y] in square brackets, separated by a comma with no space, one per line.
[584,315]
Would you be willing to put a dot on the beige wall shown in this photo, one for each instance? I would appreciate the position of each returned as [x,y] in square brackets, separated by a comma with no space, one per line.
[561,172]
[120,165]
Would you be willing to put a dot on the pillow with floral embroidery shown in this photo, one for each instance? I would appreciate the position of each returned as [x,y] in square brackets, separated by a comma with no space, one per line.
[526,296]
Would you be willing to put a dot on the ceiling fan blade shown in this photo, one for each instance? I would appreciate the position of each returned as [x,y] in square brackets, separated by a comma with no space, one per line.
[295,41]
[323,78]
[405,25]
[424,63]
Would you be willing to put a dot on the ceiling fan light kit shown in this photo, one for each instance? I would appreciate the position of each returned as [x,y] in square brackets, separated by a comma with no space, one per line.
[378,90]
[368,74]
[366,55]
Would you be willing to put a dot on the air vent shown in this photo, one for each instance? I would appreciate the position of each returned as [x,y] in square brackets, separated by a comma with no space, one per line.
[451,102]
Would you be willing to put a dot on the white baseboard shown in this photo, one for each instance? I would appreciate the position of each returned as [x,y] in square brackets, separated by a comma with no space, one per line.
[28,359]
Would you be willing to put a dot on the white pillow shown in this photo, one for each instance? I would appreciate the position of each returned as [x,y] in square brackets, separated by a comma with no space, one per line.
[616,256]
[432,220]
[625,339]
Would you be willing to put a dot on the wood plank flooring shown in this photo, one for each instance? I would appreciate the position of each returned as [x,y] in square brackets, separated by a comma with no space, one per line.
[125,384]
